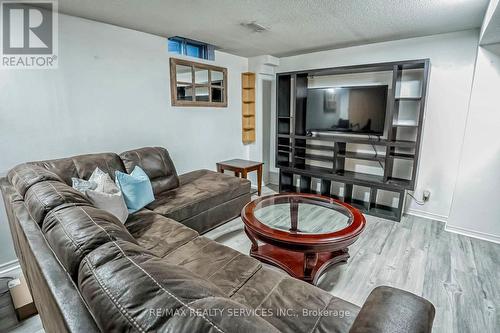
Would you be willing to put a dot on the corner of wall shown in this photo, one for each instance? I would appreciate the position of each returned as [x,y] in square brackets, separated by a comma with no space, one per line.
[488,27]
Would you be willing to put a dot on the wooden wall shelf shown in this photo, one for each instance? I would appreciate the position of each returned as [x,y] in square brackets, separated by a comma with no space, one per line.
[248,107]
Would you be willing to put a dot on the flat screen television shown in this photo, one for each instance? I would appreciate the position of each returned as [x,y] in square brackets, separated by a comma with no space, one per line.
[357,109]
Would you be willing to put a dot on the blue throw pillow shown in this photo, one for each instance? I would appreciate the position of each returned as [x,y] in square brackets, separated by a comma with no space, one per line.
[136,188]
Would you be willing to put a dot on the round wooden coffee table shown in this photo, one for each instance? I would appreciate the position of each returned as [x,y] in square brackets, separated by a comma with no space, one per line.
[303,234]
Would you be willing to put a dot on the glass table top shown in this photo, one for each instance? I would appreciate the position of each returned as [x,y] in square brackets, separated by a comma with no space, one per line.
[302,215]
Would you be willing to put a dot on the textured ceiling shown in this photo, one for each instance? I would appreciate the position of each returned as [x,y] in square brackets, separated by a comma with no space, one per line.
[294,26]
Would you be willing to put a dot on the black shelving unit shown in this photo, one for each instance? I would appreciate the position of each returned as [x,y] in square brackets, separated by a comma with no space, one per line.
[299,156]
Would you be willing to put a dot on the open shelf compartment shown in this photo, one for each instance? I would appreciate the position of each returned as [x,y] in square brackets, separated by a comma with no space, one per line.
[372,200]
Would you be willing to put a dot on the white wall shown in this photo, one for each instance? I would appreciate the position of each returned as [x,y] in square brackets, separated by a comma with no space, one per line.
[264,67]
[490,29]
[476,210]
[111,92]
[452,59]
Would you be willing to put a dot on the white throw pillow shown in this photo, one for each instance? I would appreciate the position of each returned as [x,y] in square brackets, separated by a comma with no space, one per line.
[111,202]
[83,185]
[107,196]
[103,181]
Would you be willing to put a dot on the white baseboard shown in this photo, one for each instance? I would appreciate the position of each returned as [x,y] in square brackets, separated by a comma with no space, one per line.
[274,178]
[427,215]
[9,266]
[474,234]
[457,230]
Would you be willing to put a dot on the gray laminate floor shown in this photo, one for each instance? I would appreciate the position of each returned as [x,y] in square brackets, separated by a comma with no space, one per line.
[458,274]
[30,325]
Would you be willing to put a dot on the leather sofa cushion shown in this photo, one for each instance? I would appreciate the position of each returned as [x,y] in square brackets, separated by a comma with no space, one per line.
[55,294]
[312,309]
[25,175]
[229,317]
[217,215]
[73,232]
[63,167]
[124,287]
[42,197]
[225,267]
[81,166]
[158,234]
[378,314]
[156,162]
[200,191]
[107,162]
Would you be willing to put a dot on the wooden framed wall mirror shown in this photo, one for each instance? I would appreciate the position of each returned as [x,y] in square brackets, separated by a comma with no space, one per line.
[197,84]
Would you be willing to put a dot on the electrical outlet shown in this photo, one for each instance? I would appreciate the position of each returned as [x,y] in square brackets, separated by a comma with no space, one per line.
[426,195]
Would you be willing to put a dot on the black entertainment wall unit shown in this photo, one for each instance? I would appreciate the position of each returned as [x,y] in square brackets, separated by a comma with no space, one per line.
[335,164]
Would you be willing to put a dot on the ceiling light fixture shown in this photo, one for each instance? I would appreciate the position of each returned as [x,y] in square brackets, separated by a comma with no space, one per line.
[254,26]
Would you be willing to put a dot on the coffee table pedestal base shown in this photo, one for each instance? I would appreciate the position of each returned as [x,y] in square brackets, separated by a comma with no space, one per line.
[304,266]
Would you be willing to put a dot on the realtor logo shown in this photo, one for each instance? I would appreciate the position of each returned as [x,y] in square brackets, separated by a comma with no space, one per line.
[29,34]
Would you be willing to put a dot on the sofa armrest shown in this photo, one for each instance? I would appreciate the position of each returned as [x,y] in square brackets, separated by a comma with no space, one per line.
[394,310]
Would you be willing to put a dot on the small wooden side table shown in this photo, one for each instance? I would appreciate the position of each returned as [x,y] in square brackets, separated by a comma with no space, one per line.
[242,167]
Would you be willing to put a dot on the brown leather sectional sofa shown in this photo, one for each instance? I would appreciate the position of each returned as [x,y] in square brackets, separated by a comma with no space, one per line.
[90,273]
